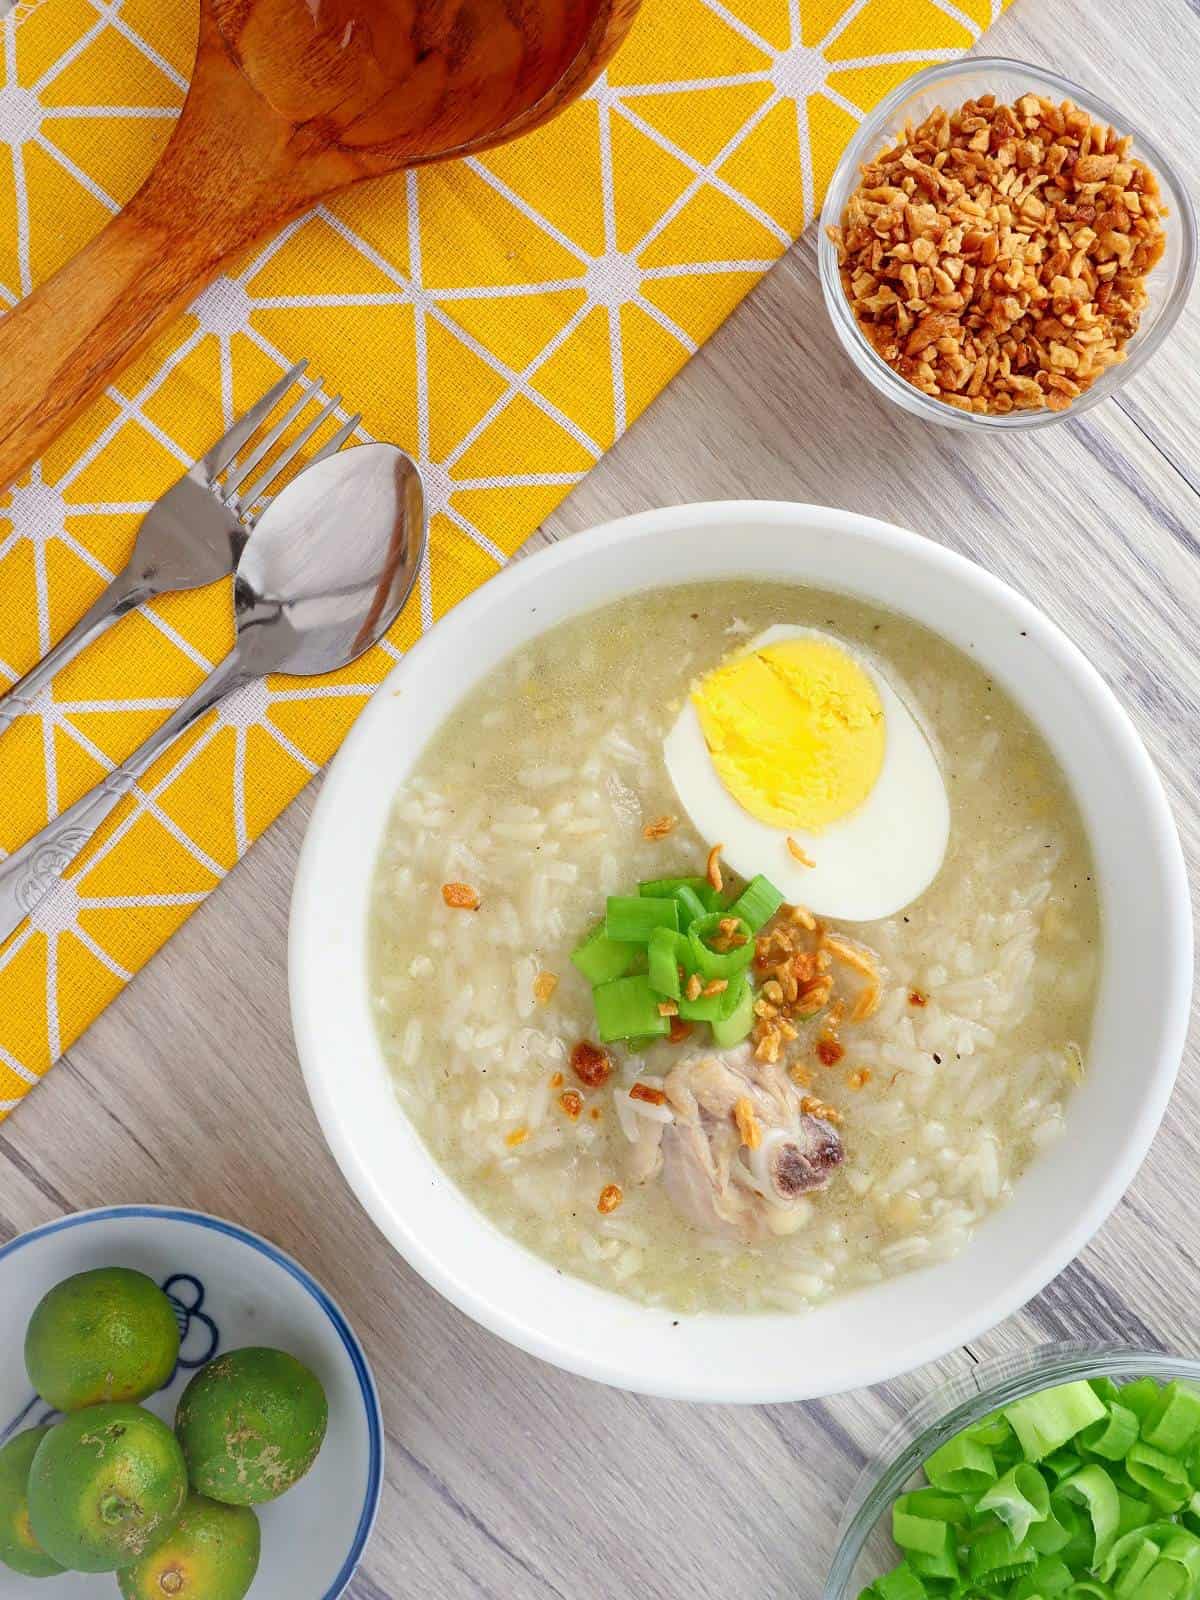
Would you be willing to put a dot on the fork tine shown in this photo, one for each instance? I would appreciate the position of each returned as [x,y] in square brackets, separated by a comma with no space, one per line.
[338,440]
[330,449]
[239,474]
[245,501]
[223,452]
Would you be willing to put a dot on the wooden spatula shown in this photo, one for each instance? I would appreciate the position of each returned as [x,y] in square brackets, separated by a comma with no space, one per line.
[290,100]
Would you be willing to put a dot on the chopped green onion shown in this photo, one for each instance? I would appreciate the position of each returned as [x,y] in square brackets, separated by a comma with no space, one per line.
[737,1015]
[1052,1576]
[1112,1436]
[1129,1561]
[1141,1397]
[998,1558]
[1106,1389]
[935,1503]
[1183,1548]
[1049,1538]
[710,963]
[927,1541]
[668,888]
[992,1431]
[1163,1582]
[691,907]
[1094,1487]
[1045,1421]
[640,956]
[901,1583]
[757,903]
[916,1532]
[1007,1454]
[1135,1513]
[962,1464]
[1163,1478]
[627,1008]
[942,1563]
[601,959]
[632,919]
[1081,1543]
[665,952]
[1020,1498]
[1175,1422]
[1063,1463]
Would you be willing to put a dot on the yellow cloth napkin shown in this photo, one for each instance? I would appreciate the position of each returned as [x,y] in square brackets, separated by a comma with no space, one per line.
[504,319]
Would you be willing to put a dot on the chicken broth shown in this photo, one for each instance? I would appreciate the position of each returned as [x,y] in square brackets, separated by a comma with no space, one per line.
[821,1151]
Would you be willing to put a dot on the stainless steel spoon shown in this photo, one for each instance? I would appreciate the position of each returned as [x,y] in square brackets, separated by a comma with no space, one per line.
[193,535]
[322,578]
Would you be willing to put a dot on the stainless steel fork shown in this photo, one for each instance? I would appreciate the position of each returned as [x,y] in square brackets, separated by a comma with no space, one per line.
[194,535]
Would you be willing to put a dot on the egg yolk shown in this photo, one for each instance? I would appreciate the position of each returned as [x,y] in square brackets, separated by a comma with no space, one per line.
[795,731]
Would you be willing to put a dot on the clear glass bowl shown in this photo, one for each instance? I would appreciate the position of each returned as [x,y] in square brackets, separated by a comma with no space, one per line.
[864,1547]
[950,85]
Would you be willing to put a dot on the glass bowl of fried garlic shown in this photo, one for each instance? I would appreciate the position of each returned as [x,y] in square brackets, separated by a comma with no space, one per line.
[1000,249]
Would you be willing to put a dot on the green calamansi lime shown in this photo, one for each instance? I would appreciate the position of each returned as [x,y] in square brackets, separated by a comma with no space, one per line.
[19,1548]
[101,1336]
[210,1554]
[251,1424]
[104,1484]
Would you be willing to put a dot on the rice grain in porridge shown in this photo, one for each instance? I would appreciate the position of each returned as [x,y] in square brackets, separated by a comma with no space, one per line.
[544,792]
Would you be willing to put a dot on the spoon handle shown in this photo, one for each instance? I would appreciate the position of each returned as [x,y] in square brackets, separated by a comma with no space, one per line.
[125,593]
[30,873]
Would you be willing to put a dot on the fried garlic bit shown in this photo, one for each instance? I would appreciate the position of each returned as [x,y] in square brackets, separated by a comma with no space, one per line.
[799,853]
[460,897]
[713,870]
[544,986]
[660,828]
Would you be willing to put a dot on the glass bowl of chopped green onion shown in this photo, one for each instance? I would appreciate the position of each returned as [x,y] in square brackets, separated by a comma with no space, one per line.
[1065,1472]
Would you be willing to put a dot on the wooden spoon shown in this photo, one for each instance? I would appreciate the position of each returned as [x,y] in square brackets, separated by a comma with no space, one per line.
[290,100]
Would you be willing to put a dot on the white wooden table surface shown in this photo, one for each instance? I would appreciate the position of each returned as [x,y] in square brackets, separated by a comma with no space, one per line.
[506,1477]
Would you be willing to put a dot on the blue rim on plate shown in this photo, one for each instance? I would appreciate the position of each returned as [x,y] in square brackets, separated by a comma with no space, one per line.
[358,1360]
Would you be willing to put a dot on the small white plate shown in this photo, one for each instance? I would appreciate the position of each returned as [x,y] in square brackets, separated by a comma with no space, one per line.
[229,1288]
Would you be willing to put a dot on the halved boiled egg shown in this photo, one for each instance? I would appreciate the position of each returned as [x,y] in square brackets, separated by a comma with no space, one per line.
[798,750]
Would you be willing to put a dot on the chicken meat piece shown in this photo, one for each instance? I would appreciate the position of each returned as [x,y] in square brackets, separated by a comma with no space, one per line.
[740,1153]
[645,1159]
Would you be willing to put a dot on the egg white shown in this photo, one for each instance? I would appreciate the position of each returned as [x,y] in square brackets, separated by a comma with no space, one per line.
[869,864]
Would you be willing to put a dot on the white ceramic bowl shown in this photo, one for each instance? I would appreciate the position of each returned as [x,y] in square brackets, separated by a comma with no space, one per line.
[229,1288]
[876,1332]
